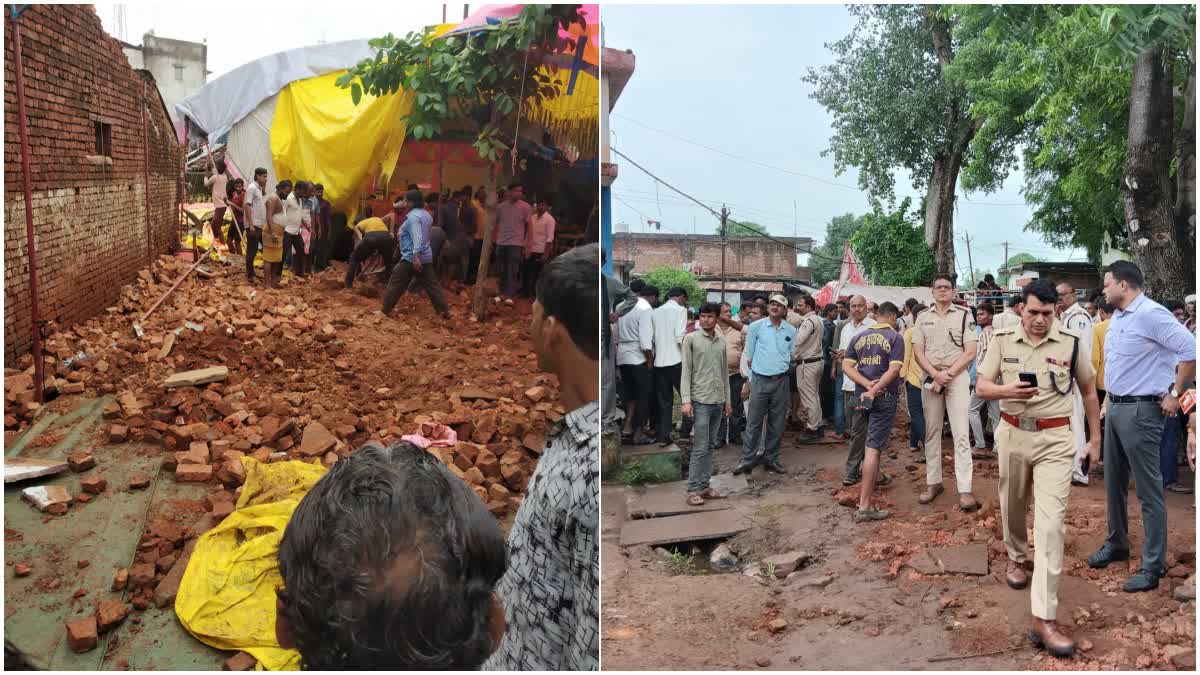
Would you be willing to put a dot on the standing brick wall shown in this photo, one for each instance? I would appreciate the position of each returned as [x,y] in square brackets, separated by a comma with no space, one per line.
[744,257]
[89,218]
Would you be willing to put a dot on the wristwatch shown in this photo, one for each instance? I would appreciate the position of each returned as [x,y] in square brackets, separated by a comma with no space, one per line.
[1174,392]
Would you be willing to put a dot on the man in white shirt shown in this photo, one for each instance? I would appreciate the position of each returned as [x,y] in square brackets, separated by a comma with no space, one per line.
[635,360]
[670,326]
[855,431]
[294,219]
[218,181]
[539,240]
[1073,316]
[255,208]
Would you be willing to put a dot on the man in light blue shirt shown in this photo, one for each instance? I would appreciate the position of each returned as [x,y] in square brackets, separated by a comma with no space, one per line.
[769,352]
[1148,358]
[416,258]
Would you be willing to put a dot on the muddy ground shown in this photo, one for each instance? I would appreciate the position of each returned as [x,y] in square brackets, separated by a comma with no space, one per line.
[877,612]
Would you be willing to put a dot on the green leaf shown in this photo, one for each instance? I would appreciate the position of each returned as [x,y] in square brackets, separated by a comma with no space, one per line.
[355,93]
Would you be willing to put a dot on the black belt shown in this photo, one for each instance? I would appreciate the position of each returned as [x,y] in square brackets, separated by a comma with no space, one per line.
[1134,399]
[769,376]
[808,361]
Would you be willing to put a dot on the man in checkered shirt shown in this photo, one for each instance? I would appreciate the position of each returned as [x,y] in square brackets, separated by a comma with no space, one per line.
[551,589]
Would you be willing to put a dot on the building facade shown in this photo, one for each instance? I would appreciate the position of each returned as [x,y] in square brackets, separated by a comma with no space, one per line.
[746,258]
[179,67]
[100,137]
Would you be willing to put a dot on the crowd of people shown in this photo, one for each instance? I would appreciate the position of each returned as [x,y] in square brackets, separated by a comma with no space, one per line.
[425,242]
[1039,382]
[391,562]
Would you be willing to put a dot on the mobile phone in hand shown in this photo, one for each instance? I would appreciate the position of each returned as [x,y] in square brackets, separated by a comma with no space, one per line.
[1028,378]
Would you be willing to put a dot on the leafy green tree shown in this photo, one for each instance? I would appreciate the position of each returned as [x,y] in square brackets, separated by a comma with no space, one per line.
[1013,261]
[892,248]
[893,107]
[743,229]
[826,263]
[483,77]
[665,278]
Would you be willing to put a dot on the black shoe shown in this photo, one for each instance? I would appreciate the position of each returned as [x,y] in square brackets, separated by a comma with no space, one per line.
[776,467]
[851,480]
[807,436]
[743,467]
[1106,556]
[1142,580]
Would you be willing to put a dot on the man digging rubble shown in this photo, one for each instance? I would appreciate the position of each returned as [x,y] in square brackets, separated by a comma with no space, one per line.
[552,587]
[416,258]
[873,362]
[389,563]
[1036,446]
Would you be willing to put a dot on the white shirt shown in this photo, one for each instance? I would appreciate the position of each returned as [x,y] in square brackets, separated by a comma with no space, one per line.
[635,334]
[293,214]
[1077,320]
[256,204]
[670,325]
[218,183]
[540,232]
[849,330]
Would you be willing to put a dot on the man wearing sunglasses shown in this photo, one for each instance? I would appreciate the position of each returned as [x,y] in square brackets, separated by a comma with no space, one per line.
[944,345]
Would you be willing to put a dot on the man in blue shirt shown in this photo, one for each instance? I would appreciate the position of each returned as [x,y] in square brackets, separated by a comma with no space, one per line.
[1148,359]
[416,258]
[769,350]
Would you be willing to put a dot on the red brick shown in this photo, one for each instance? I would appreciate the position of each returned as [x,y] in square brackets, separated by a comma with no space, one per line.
[93,484]
[193,473]
[22,570]
[81,461]
[82,635]
[121,580]
[109,614]
[239,662]
[141,575]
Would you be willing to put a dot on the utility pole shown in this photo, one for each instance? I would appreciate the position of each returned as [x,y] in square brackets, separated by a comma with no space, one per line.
[466,9]
[724,239]
[1006,263]
[443,13]
[970,262]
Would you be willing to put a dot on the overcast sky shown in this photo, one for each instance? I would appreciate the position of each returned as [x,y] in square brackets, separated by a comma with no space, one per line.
[240,32]
[729,78]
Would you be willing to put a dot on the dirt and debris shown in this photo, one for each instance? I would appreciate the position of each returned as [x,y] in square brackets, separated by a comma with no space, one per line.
[885,589]
[307,372]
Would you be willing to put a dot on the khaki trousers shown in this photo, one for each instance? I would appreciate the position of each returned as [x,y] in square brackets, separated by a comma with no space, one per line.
[1036,464]
[956,401]
[808,382]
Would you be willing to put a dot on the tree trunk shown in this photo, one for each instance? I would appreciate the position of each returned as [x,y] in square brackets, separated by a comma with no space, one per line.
[939,210]
[479,303]
[1185,173]
[1146,185]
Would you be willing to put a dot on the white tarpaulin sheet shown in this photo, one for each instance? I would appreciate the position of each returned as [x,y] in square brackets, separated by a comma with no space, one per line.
[220,104]
[248,145]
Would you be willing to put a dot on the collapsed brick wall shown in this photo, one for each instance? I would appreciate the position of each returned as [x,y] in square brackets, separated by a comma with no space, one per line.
[89,216]
[747,257]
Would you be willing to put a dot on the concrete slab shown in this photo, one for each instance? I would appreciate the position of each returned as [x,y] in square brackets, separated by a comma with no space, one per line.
[23,468]
[923,563]
[969,559]
[667,499]
[679,529]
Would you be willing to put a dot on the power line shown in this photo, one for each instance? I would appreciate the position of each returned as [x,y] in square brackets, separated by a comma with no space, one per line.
[779,168]
[646,171]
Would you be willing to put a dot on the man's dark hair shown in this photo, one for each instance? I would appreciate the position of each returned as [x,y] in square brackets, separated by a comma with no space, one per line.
[415,197]
[318,186]
[1042,289]
[516,184]
[1105,306]
[939,277]
[918,308]
[1013,300]
[648,291]
[285,183]
[220,163]
[830,308]
[986,307]
[637,285]
[726,304]
[260,172]
[887,309]
[389,563]
[432,198]
[1123,270]
[760,299]
[676,291]
[1173,305]
[412,186]
[910,303]
[989,278]
[710,308]
[567,291]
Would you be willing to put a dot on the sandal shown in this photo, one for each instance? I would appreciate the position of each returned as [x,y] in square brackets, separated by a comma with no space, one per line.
[710,493]
[970,507]
[1179,489]
[884,480]
[851,480]
[695,500]
[931,493]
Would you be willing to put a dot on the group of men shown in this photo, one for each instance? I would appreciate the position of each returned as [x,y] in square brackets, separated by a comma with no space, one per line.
[391,562]
[293,225]
[1033,367]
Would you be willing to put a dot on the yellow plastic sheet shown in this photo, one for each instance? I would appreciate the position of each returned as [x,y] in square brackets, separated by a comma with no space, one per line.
[227,596]
[319,135]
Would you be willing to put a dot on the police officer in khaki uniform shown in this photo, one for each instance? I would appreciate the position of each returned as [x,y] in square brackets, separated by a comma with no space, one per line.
[944,344]
[1073,316]
[806,354]
[1036,447]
